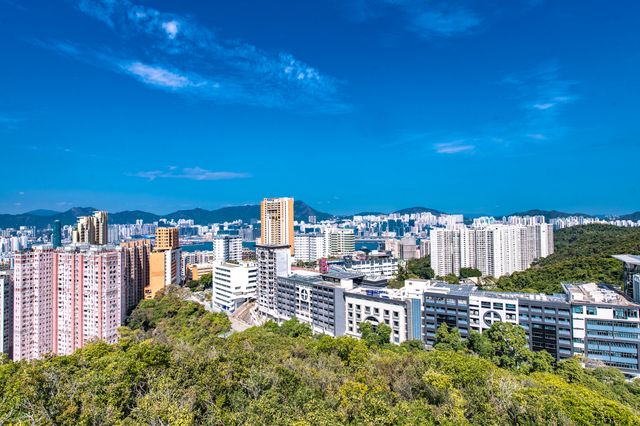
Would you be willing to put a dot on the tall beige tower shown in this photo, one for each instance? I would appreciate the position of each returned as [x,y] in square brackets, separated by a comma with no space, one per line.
[92,229]
[101,230]
[276,216]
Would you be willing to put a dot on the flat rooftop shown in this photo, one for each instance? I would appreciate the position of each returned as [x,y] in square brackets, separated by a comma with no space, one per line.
[597,294]
[529,296]
[341,274]
[382,293]
[628,258]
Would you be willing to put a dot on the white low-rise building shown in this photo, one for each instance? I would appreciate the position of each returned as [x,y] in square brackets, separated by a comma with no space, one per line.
[233,284]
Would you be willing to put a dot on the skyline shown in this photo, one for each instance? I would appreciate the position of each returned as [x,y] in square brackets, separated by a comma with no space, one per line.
[350,106]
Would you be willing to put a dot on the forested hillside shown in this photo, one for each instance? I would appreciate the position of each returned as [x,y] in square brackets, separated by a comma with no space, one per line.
[173,366]
[582,253]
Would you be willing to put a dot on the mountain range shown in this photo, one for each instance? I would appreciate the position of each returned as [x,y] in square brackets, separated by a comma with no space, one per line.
[41,218]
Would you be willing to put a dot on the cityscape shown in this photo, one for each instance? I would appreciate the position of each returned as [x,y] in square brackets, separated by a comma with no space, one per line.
[81,281]
[353,212]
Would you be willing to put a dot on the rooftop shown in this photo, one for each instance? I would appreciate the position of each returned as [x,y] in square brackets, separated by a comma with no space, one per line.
[592,293]
[341,274]
[628,258]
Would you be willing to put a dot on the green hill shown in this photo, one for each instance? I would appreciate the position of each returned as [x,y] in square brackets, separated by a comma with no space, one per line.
[173,367]
[582,253]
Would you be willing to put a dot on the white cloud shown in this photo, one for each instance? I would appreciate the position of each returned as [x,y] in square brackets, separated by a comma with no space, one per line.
[171,28]
[190,173]
[544,106]
[187,58]
[157,76]
[454,147]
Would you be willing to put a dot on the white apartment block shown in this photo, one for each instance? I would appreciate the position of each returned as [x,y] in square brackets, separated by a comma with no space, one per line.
[228,247]
[341,241]
[495,249]
[233,284]
[311,247]
[445,251]
[273,261]
[375,264]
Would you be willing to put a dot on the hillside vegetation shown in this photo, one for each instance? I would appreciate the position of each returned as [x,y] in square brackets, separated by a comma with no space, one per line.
[172,367]
[582,253]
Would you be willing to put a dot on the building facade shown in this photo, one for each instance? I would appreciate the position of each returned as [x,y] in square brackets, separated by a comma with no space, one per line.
[90,288]
[310,247]
[273,262]
[233,284]
[276,222]
[228,248]
[495,249]
[92,229]
[6,313]
[136,269]
[342,241]
[34,305]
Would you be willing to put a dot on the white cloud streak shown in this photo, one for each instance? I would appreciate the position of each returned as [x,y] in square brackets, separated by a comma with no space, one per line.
[189,173]
[454,147]
[175,53]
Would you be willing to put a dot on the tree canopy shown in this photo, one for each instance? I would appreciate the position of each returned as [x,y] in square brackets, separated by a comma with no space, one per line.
[582,253]
[177,365]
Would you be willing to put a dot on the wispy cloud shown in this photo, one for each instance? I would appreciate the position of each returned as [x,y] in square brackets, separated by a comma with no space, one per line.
[177,54]
[190,173]
[10,122]
[543,95]
[432,19]
[453,147]
[441,20]
[538,97]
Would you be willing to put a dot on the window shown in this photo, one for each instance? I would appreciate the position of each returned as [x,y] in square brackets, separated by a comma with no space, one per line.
[511,307]
[498,306]
[592,310]
[486,305]
[578,310]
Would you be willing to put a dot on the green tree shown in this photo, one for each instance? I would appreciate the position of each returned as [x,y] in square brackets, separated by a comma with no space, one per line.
[470,272]
[448,339]
[421,268]
[509,347]
[295,328]
[375,335]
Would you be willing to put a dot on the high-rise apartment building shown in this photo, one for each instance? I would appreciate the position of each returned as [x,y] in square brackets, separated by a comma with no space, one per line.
[64,298]
[311,247]
[228,248]
[92,229]
[88,300]
[165,266]
[56,234]
[273,261]
[495,250]
[136,269]
[342,241]
[167,239]
[33,303]
[6,312]
[276,215]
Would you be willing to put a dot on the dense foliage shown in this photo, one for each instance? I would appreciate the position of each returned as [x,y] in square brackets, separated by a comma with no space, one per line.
[203,283]
[582,253]
[174,367]
[414,268]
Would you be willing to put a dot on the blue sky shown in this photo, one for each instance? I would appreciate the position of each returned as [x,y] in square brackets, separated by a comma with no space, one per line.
[350,105]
